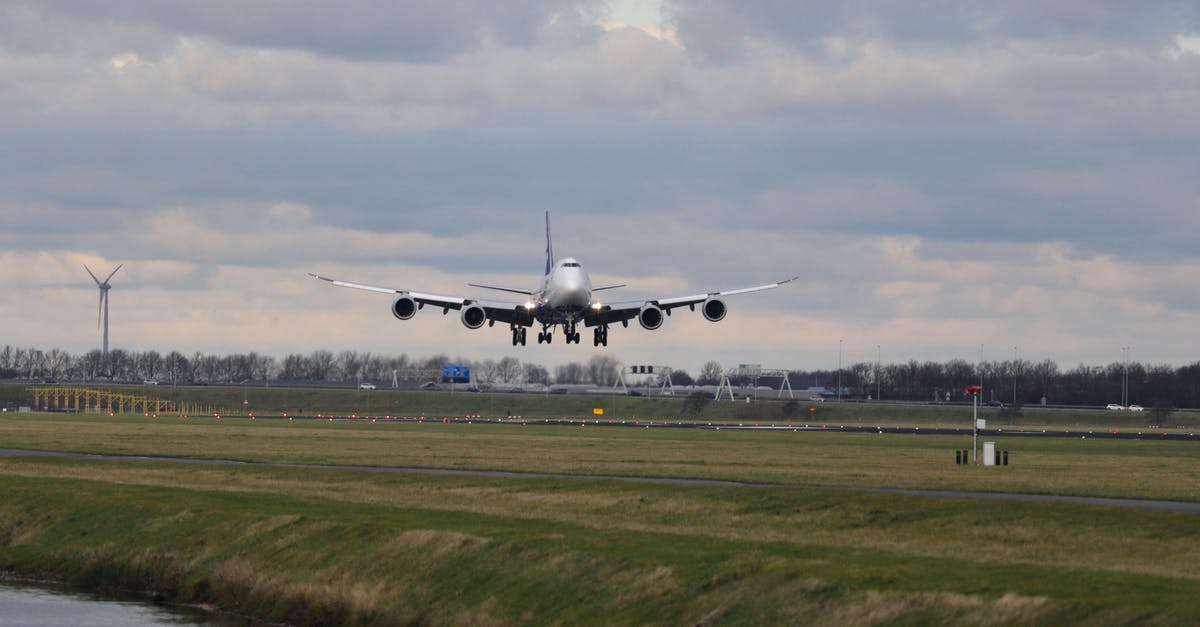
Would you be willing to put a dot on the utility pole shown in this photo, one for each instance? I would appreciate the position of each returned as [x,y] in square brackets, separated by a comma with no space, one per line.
[839,370]
[878,397]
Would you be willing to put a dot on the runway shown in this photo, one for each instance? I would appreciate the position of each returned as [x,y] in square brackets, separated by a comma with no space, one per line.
[1112,434]
[1172,506]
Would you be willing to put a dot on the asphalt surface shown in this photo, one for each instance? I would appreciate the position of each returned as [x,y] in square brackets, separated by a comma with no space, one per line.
[1172,506]
[1114,434]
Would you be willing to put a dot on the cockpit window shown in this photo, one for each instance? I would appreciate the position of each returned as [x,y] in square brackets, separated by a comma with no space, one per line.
[571,264]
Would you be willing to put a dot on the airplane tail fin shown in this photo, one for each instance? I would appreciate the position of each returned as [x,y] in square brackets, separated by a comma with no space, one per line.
[549,246]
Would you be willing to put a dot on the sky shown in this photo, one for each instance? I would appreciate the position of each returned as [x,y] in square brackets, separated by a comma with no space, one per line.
[941,176]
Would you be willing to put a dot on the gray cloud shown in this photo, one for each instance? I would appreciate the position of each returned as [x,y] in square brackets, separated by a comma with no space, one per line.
[720,30]
[979,177]
[414,30]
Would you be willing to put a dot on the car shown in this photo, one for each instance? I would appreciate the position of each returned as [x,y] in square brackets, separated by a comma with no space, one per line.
[1135,408]
[995,404]
[366,386]
[1114,407]
[817,398]
[150,382]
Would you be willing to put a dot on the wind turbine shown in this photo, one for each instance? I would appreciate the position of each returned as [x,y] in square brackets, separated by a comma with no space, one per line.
[102,313]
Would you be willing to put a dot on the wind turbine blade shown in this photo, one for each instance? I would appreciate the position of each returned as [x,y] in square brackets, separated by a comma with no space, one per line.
[89,271]
[114,272]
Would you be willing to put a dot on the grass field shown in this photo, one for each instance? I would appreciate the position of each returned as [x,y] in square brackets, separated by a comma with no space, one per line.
[307,546]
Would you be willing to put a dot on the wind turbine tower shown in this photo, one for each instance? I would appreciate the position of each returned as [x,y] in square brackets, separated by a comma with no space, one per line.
[102,313]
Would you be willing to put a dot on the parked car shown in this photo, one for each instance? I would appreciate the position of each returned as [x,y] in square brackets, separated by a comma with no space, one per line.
[995,404]
[366,386]
[817,398]
[1114,407]
[1135,408]
[150,382]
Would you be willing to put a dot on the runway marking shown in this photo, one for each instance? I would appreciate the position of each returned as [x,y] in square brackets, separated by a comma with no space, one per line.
[1187,507]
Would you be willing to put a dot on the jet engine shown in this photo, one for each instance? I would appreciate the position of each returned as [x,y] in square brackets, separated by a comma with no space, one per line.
[404,307]
[650,317]
[713,309]
[473,316]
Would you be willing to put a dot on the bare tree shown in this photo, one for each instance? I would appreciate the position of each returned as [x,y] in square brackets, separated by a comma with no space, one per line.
[536,374]
[710,374]
[572,372]
[509,370]
[320,365]
[602,369]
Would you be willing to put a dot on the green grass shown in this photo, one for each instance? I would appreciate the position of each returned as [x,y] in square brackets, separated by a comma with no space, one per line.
[312,547]
[1095,467]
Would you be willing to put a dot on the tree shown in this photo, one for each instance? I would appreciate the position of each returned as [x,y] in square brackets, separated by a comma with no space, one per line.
[710,374]
[681,377]
[509,370]
[536,374]
[348,366]
[572,372]
[320,365]
[149,365]
[176,367]
[602,370]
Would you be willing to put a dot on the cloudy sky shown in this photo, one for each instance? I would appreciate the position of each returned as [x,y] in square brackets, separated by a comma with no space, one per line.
[941,174]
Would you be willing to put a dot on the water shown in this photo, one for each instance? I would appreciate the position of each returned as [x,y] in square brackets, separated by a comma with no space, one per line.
[30,605]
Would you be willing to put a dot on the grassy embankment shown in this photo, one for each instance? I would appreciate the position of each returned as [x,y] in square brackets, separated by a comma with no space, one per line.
[334,546]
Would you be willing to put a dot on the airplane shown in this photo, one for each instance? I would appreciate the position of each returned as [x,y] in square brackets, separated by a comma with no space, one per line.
[564,298]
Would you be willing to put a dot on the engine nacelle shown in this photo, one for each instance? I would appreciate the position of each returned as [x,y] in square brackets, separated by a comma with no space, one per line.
[404,308]
[714,309]
[650,317]
[473,316]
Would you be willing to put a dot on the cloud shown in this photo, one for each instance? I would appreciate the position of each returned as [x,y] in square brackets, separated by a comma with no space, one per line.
[970,173]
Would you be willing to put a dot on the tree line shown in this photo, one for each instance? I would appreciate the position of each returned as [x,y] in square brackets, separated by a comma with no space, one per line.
[1013,381]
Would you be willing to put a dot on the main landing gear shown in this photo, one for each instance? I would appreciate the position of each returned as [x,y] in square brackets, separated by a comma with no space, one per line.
[518,337]
[569,333]
[599,336]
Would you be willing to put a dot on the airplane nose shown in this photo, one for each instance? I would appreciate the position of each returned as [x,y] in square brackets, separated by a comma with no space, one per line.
[575,295]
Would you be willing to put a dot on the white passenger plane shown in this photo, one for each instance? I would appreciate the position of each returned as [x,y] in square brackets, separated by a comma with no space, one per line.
[565,297]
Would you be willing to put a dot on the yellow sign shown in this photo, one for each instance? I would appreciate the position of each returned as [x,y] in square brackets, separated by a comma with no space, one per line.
[599,411]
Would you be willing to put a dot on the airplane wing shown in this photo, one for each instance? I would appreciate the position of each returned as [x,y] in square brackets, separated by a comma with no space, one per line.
[495,310]
[514,290]
[625,311]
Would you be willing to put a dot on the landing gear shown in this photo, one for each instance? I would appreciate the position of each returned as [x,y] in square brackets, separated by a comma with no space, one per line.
[545,336]
[570,332]
[599,336]
[518,337]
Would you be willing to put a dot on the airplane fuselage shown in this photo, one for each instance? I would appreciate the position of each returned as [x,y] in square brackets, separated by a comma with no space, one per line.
[565,294]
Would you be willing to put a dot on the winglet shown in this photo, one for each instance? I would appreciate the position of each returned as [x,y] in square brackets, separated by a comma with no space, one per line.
[549,246]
